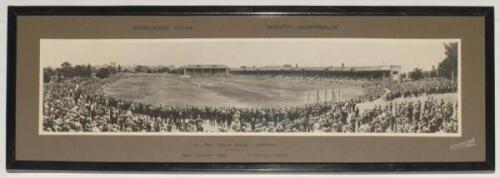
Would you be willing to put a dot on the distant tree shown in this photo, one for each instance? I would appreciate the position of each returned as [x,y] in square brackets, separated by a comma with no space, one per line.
[433,72]
[140,68]
[78,70]
[48,72]
[416,74]
[164,70]
[66,65]
[119,68]
[66,70]
[103,72]
[448,67]
[82,71]
[112,69]
[89,69]
[427,74]
[178,71]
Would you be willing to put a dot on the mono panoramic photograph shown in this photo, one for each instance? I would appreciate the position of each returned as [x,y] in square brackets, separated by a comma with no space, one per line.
[245,86]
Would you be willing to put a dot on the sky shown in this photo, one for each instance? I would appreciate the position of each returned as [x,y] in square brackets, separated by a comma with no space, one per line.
[235,52]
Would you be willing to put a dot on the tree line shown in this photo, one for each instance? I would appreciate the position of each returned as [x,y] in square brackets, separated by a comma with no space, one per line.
[447,68]
[67,70]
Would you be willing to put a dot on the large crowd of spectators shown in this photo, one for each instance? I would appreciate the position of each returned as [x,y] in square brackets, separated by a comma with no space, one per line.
[421,87]
[429,116]
[80,105]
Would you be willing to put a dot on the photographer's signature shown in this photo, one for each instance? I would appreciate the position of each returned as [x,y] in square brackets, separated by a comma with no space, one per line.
[465,144]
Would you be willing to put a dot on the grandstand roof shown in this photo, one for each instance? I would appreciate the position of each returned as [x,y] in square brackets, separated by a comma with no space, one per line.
[205,66]
[330,68]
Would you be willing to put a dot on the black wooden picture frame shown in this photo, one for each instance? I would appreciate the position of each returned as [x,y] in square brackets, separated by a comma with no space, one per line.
[15,11]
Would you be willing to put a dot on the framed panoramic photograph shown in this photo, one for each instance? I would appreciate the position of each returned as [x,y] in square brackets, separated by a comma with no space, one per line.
[309,89]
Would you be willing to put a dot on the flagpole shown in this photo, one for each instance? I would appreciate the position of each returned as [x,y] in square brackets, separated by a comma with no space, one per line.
[317,95]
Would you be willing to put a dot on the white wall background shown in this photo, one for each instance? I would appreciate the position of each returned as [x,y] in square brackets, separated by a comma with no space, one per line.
[3,42]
